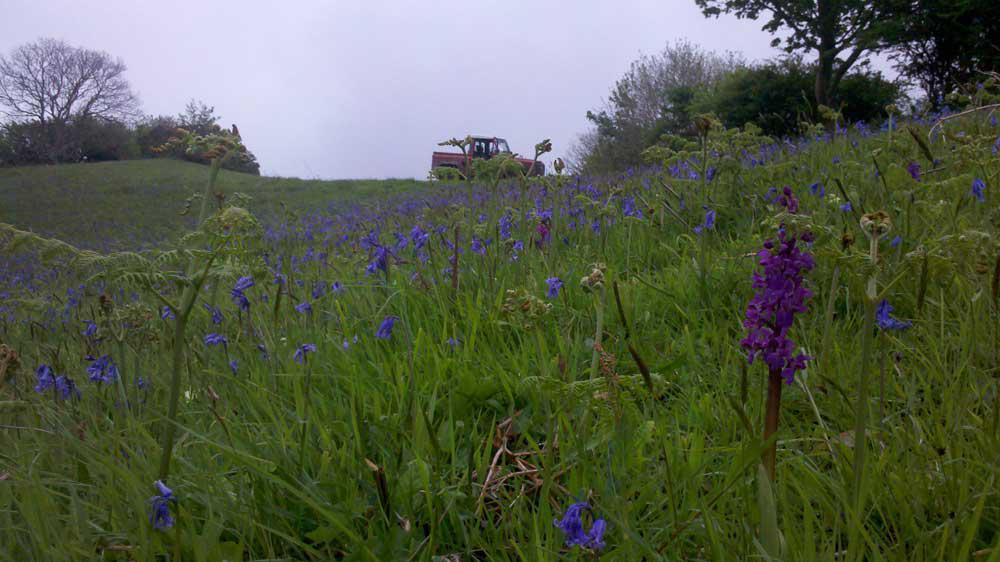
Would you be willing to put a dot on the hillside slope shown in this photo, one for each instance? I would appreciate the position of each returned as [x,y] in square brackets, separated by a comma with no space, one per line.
[137,203]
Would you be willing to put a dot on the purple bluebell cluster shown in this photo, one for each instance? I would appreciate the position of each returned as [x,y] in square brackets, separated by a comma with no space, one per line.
[159,515]
[238,292]
[780,295]
[102,370]
[708,223]
[303,351]
[978,186]
[571,525]
[554,285]
[384,331]
[47,378]
[885,321]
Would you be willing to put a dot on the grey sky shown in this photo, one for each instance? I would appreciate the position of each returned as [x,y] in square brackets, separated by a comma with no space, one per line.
[347,89]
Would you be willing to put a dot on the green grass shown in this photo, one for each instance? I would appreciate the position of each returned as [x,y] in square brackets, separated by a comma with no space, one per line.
[674,474]
[138,203]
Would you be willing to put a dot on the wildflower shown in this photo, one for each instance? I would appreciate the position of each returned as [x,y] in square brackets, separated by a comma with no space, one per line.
[505,224]
[518,246]
[304,307]
[817,189]
[595,226]
[160,515]
[167,313]
[243,283]
[302,351]
[346,344]
[572,526]
[914,169]
[788,200]
[847,207]
[103,370]
[896,241]
[280,279]
[543,233]
[216,339]
[264,355]
[380,261]
[554,284]
[233,366]
[46,378]
[478,246]
[885,321]
[337,287]
[385,329]
[708,223]
[779,296]
[629,209]
[217,316]
[453,342]
[91,329]
[66,387]
[237,292]
[978,186]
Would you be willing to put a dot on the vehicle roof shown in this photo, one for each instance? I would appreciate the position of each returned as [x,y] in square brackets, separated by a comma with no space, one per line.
[486,137]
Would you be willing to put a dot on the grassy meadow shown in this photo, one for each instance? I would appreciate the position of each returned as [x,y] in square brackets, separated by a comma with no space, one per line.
[412,373]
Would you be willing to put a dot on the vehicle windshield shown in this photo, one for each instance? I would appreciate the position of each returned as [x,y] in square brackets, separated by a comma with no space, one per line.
[502,145]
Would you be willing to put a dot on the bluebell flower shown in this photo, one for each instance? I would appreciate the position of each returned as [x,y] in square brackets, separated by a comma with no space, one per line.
[572,526]
[518,245]
[380,261]
[166,313]
[302,351]
[885,321]
[233,366]
[978,186]
[478,246]
[385,329]
[817,189]
[595,226]
[264,355]
[708,223]
[337,287]
[318,290]
[346,344]
[453,342]
[243,283]
[304,307]
[847,207]
[280,279]
[629,209]
[506,223]
[896,241]
[91,329]
[217,316]
[216,339]
[914,169]
[160,514]
[554,284]
[46,378]
[103,370]
[66,388]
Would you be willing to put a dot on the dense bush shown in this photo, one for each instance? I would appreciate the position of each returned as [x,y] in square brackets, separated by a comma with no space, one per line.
[94,139]
[83,140]
[777,96]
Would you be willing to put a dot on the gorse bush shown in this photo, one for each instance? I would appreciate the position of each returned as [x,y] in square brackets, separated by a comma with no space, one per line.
[747,349]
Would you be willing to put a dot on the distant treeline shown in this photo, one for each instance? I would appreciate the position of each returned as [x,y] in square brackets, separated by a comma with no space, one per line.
[99,139]
[62,104]
[660,95]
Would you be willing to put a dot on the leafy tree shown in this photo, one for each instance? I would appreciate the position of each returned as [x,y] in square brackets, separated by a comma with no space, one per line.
[940,44]
[774,95]
[199,118]
[652,97]
[840,32]
[52,81]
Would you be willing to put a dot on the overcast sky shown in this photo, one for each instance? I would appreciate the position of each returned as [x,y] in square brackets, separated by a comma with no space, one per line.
[366,88]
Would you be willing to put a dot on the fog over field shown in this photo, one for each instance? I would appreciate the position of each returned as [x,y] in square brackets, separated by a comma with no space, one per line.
[345,89]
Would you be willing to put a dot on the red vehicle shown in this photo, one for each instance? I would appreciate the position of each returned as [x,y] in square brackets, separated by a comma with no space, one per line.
[482,147]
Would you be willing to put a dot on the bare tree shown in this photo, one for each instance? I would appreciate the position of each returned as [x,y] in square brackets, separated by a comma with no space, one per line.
[52,82]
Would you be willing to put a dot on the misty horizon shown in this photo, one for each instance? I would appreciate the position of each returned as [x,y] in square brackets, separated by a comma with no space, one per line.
[367,90]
